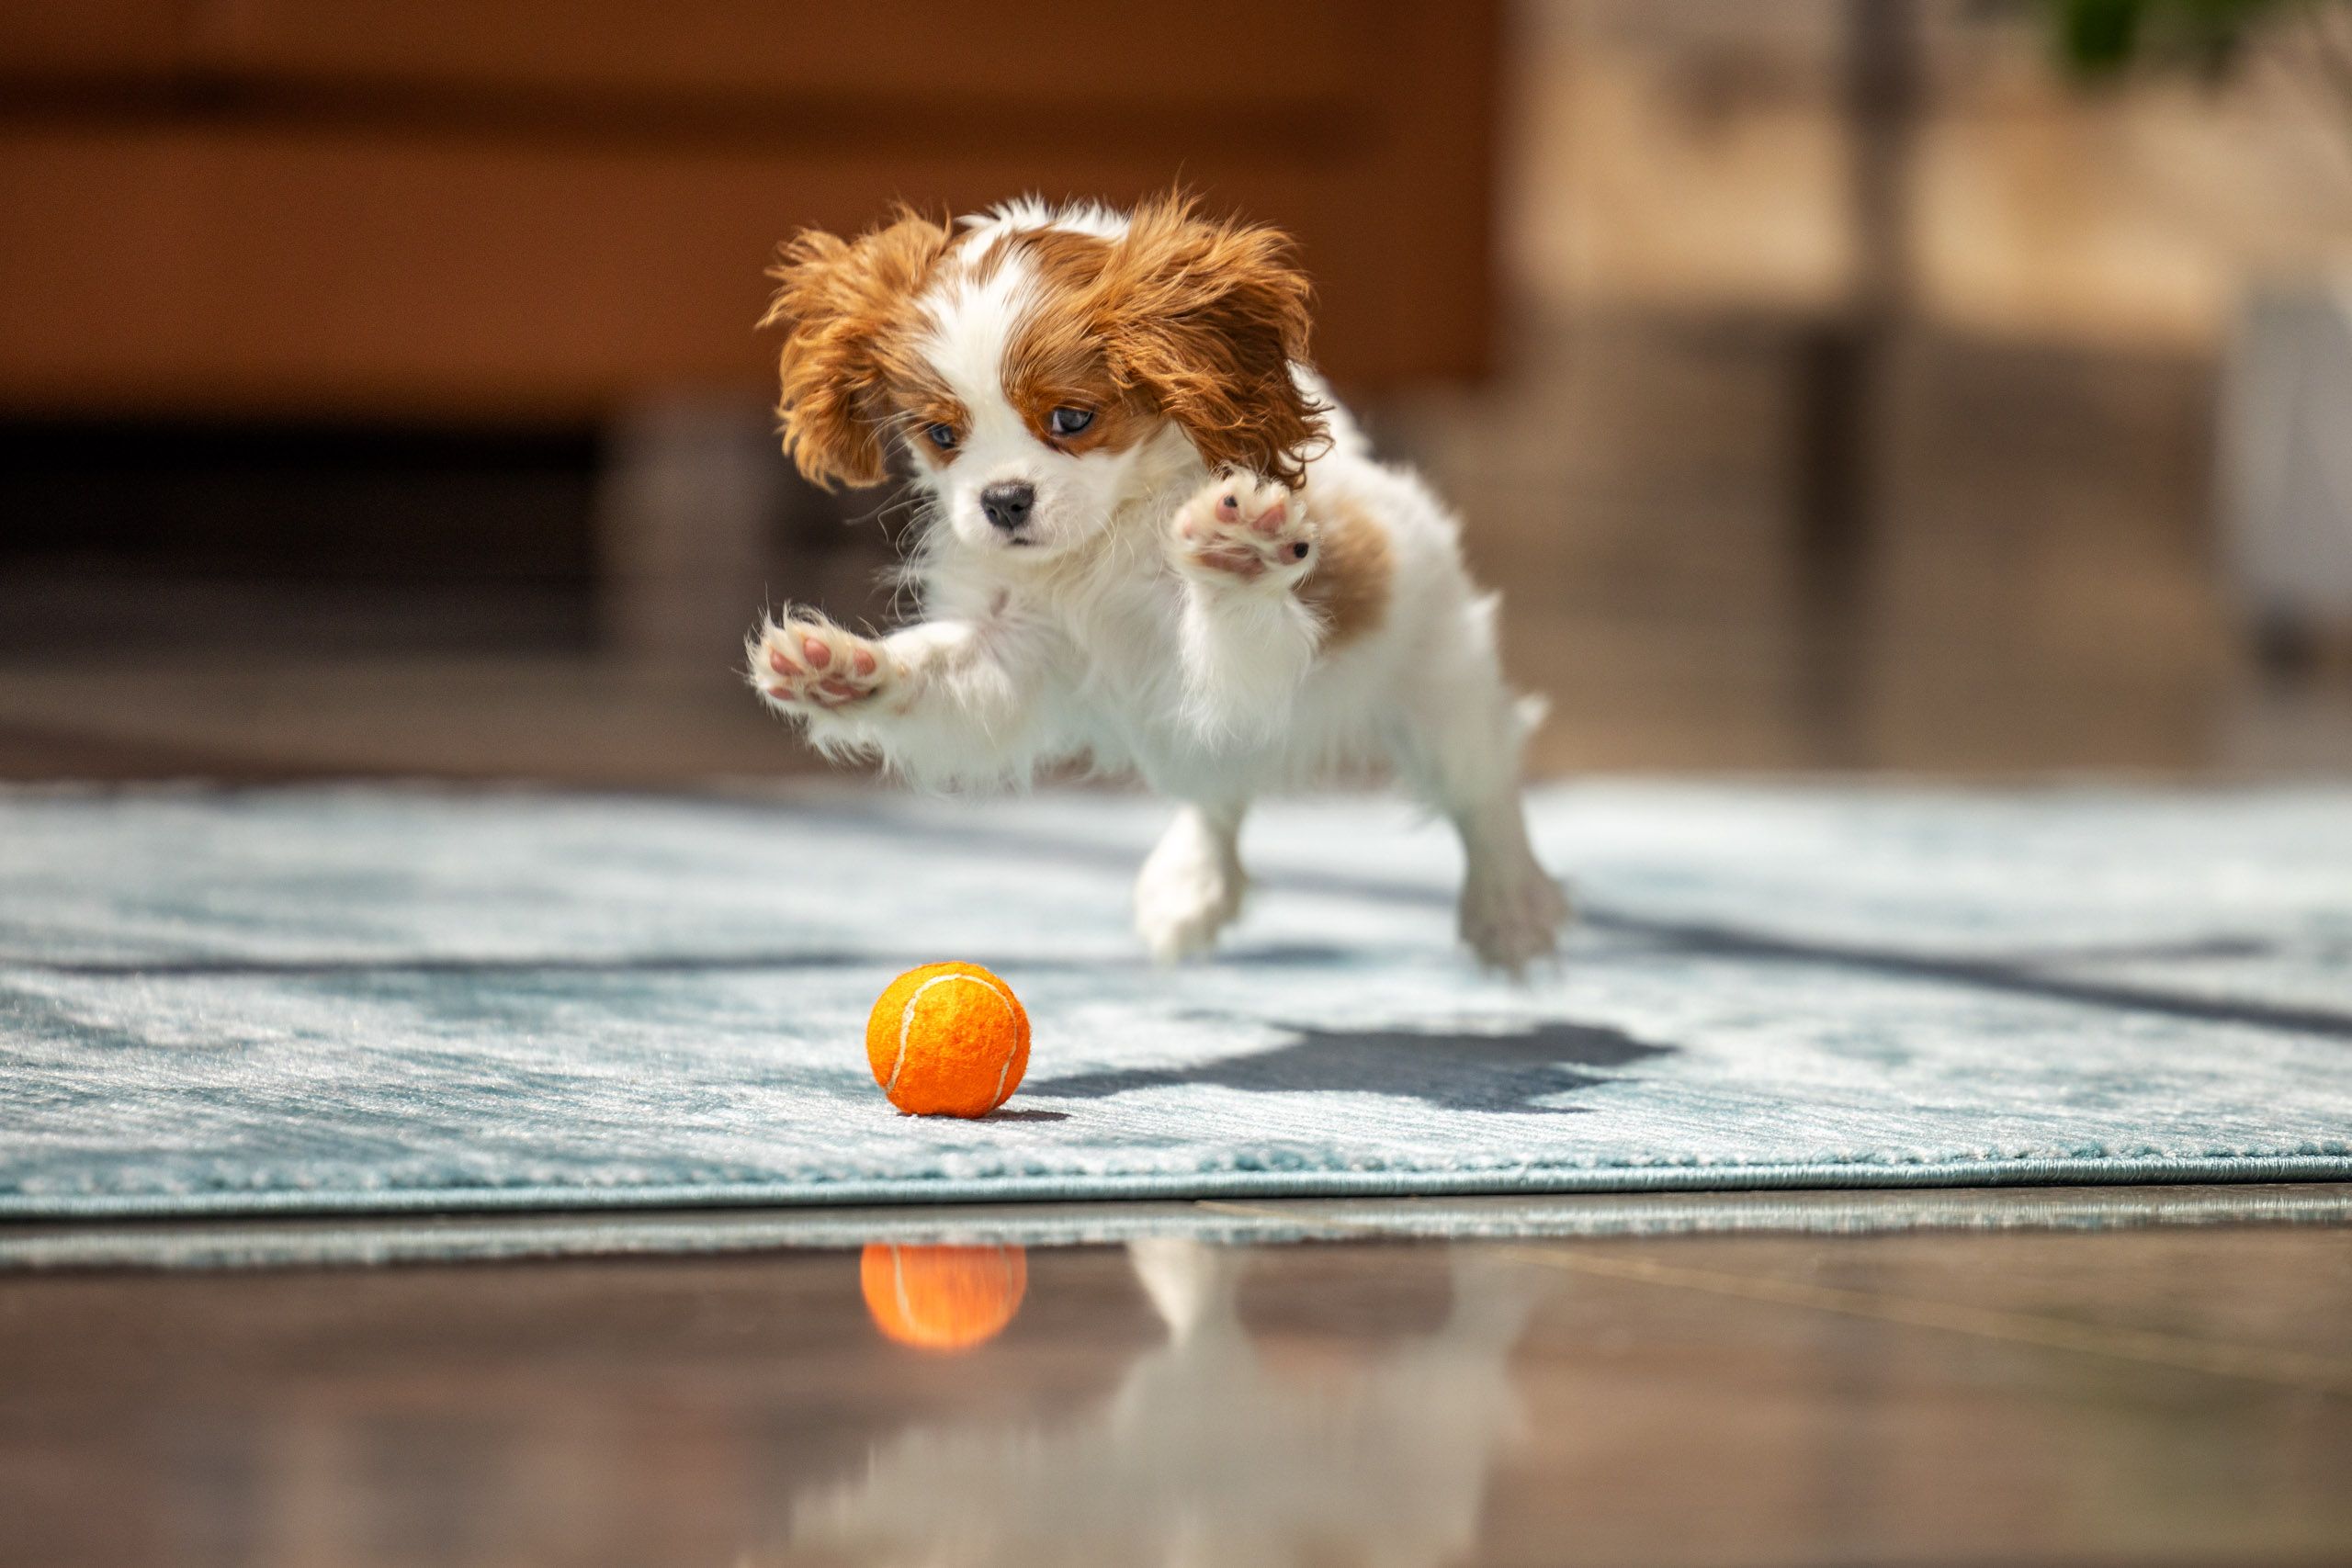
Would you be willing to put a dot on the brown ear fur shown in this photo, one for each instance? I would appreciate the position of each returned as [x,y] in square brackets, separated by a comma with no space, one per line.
[1203,319]
[842,305]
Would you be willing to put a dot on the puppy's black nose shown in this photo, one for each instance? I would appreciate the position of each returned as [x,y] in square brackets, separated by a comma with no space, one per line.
[1008,505]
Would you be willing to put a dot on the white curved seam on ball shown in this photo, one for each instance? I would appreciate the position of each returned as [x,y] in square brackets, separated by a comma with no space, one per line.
[898,1289]
[907,1022]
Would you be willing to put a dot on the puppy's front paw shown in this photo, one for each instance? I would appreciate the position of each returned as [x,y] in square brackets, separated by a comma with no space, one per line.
[804,665]
[1190,889]
[1244,529]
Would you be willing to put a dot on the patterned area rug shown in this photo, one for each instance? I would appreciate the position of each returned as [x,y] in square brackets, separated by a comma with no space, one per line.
[370,1000]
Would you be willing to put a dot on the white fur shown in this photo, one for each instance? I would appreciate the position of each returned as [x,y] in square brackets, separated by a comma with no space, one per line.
[1100,638]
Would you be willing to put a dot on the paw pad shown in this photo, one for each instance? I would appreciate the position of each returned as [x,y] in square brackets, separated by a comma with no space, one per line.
[1242,529]
[803,666]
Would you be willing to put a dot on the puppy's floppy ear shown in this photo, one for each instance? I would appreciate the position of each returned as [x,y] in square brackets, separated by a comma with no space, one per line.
[843,305]
[1203,319]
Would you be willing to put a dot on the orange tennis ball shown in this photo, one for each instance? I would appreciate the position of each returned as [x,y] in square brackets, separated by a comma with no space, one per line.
[948,1040]
[942,1298]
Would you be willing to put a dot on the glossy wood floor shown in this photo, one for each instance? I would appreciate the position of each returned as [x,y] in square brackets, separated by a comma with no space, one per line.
[2167,1394]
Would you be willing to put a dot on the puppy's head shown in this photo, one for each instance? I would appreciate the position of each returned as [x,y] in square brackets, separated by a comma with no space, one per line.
[1030,361]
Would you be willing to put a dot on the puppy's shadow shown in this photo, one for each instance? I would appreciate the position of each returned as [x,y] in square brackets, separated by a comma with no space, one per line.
[1509,1072]
[1003,1115]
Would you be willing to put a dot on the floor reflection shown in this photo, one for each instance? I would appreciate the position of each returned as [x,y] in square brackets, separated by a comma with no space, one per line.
[947,1299]
[2124,1392]
[1205,1453]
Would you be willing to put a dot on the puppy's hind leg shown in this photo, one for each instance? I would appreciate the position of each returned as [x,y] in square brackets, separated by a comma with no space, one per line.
[1512,911]
[1192,883]
[1457,744]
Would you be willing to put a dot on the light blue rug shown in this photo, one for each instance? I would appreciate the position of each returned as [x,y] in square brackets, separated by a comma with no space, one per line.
[352,1001]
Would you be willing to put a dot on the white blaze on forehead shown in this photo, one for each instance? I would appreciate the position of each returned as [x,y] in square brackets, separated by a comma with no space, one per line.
[973,319]
[1035,212]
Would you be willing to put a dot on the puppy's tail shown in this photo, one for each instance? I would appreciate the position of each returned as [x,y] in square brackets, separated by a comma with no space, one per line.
[1528,712]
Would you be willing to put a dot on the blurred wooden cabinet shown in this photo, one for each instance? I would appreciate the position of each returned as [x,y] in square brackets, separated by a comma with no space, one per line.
[454,208]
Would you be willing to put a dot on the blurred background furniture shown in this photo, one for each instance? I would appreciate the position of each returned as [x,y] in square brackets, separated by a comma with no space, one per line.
[2287,468]
[443,208]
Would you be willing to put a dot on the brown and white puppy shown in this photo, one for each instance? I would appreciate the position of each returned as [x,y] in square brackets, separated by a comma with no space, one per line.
[1150,540]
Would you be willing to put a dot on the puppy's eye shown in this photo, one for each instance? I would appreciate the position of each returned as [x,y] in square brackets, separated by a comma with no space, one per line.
[941,436]
[1070,421]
